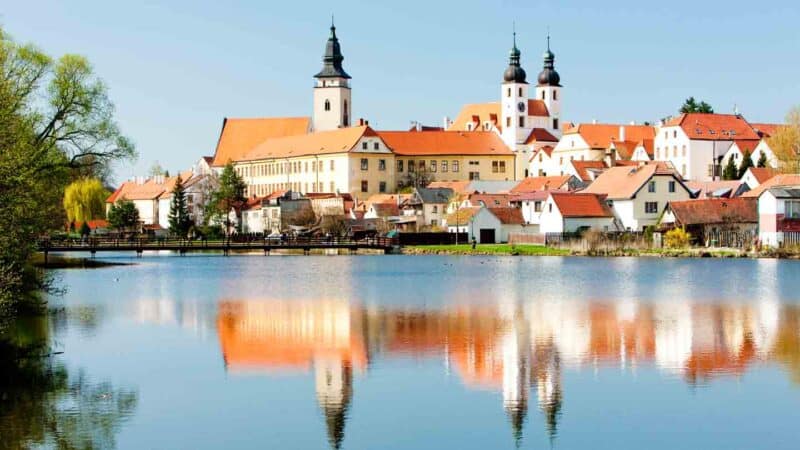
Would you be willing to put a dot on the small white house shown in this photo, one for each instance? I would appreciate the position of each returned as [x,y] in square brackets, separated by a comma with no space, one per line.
[486,225]
[779,215]
[565,212]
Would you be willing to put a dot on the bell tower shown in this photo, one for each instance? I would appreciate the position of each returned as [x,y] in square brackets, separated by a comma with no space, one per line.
[548,89]
[332,105]
[514,104]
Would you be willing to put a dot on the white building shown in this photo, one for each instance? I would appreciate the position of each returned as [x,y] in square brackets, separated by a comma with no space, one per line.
[486,225]
[570,212]
[597,142]
[779,214]
[638,195]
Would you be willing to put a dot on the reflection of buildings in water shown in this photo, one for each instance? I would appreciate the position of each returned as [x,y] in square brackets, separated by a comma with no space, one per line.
[187,315]
[509,348]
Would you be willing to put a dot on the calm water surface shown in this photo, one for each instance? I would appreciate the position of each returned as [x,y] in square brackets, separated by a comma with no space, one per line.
[396,352]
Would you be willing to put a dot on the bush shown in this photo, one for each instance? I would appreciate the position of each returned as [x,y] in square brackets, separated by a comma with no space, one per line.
[677,238]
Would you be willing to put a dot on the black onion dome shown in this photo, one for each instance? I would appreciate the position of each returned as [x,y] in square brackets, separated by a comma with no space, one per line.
[514,73]
[332,59]
[548,76]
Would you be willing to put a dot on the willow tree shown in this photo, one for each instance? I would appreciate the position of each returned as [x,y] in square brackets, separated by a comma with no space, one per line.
[55,120]
[785,143]
[84,200]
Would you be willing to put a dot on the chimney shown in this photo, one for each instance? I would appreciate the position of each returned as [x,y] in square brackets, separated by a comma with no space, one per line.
[361,122]
[446,122]
[622,133]
[418,126]
[594,121]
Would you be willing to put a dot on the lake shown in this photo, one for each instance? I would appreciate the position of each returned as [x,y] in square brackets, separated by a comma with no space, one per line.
[429,352]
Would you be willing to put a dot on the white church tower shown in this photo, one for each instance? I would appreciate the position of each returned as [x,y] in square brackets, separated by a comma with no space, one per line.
[332,105]
[548,90]
[515,123]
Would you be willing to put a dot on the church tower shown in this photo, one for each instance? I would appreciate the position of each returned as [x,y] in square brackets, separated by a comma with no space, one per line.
[514,105]
[332,106]
[548,89]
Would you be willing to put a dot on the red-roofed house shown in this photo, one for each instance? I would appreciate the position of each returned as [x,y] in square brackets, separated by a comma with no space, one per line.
[704,218]
[570,212]
[592,142]
[755,176]
[486,225]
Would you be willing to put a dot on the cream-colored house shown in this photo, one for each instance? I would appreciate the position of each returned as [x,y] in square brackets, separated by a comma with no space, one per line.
[592,142]
[639,194]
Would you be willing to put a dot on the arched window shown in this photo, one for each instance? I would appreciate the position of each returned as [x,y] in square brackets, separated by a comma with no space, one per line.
[345,115]
[520,92]
[555,95]
[327,105]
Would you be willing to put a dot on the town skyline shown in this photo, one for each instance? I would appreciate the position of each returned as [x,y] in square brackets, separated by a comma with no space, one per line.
[183,126]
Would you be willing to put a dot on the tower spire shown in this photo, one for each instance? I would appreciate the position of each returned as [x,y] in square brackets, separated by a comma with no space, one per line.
[332,59]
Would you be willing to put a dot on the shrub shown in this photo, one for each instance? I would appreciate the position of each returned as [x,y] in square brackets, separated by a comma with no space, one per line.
[677,238]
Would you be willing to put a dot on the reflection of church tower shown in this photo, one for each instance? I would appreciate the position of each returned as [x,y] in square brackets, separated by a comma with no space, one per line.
[515,374]
[546,374]
[334,380]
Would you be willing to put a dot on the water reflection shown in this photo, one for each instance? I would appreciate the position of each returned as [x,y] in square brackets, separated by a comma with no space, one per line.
[516,349]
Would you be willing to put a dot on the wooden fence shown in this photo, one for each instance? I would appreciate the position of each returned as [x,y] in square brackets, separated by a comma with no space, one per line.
[526,238]
[442,238]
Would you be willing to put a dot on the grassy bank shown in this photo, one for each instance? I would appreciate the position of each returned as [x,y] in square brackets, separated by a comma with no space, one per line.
[485,249]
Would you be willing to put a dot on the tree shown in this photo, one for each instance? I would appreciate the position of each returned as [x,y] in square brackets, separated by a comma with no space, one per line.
[85,230]
[785,143]
[691,106]
[123,215]
[677,238]
[84,200]
[415,179]
[229,196]
[747,162]
[156,170]
[762,160]
[730,171]
[179,220]
[56,122]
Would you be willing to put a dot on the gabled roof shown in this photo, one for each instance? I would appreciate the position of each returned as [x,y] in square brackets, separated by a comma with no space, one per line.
[715,211]
[340,140]
[705,189]
[625,181]
[409,143]
[765,130]
[777,180]
[714,127]
[508,215]
[647,144]
[239,136]
[624,149]
[762,174]
[581,205]
[540,135]
[537,108]
[600,136]
[533,184]
[582,168]
[547,149]
[385,209]
[746,144]
[150,189]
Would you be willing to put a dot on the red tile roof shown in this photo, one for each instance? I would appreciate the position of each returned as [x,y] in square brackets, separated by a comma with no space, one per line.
[777,180]
[547,149]
[715,210]
[508,215]
[341,140]
[762,174]
[532,184]
[405,143]
[766,129]
[540,135]
[477,114]
[150,189]
[385,209]
[239,136]
[623,182]
[714,127]
[600,136]
[537,108]
[747,144]
[582,166]
[581,205]
[489,200]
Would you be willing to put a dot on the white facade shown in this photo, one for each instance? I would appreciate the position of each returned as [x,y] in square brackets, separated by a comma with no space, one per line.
[693,159]
[551,96]
[552,221]
[637,213]
[481,220]
[769,207]
[332,104]
[542,165]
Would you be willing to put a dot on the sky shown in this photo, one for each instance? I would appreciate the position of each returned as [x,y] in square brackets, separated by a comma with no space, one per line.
[175,69]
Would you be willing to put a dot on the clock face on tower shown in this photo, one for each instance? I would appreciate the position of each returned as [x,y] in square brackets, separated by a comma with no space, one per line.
[521,106]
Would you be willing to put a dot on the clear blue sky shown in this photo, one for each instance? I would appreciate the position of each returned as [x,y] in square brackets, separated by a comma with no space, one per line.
[174,71]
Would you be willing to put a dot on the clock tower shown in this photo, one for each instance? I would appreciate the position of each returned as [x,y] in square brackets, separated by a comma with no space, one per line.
[516,125]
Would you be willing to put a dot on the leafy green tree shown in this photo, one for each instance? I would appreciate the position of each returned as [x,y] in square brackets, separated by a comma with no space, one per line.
[179,220]
[730,171]
[56,122]
[762,160]
[747,162]
[229,196]
[692,106]
[123,215]
[84,200]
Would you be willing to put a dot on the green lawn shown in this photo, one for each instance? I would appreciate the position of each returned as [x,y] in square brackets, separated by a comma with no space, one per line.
[489,249]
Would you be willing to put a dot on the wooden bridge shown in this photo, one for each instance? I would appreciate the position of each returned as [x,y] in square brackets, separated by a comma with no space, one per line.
[182,246]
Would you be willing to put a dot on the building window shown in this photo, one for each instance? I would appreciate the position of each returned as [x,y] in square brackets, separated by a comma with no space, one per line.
[435,209]
[376,146]
[421,166]
[555,95]
[555,124]
[651,186]
[382,187]
[444,166]
[333,187]
[455,166]
[474,176]
[474,163]
[651,207]
[381,164]
[550,207]
[331,165]
[792,209]
[327,105]
[433,165]
[364,164]
[508,92]
[537,206]
[521,121]
[399,165]
[683,151]
[495,166]
[508,122]
[683,170]
[364,186]
[520,92]
[502,167]
[675,134]
[346,115]
[543,95]
[364,145]
[412,167]
[672,186]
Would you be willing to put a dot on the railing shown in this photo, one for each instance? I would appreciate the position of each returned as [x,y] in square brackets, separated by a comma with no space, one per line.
[234,242]
[790,239]
[729,238]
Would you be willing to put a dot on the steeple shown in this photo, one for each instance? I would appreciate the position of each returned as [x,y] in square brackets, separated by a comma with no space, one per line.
[548,76]
[514,73]
[332,59]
